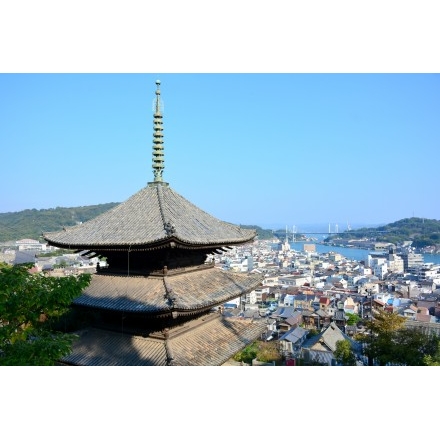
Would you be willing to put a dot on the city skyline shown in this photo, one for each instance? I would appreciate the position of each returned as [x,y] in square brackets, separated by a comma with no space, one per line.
[263,149]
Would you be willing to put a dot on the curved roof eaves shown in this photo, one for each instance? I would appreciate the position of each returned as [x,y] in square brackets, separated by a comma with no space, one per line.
[142,218]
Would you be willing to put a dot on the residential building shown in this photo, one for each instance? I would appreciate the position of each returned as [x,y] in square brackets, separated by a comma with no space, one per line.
[321,347]
[29,244]
[292,341]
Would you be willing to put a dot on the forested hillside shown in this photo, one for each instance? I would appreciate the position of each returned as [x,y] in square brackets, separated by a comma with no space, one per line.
[30,223]
[263,234]
[421,231]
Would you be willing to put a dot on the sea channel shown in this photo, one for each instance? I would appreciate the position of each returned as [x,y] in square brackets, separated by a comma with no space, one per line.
[352,253]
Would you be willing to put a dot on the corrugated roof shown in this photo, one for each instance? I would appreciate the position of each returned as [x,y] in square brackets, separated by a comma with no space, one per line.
[154,215]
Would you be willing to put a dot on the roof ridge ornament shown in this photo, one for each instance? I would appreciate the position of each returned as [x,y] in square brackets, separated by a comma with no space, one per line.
[158,150]
[169,227]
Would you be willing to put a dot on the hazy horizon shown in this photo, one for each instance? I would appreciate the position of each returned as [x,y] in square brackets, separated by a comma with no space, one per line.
[313,227]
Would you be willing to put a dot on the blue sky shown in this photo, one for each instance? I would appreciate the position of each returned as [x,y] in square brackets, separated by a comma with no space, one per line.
[261,149]
[288,115]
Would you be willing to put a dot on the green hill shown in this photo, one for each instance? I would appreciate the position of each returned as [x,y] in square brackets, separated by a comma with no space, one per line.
[263,234]
[30,223]
[421,231]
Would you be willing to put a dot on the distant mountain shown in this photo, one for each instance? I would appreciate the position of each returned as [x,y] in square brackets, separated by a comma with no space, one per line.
[421,231]
[30,223]
[263,234]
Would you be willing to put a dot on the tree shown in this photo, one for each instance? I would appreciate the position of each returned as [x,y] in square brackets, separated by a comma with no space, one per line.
[380,338]
[344,354]
[259,350]
[31,305]
[411,347]
[247,354]
[352,319]
[390,342]
[268,352]
[434,359]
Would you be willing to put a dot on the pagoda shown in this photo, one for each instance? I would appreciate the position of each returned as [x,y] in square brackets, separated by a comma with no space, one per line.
[158,300]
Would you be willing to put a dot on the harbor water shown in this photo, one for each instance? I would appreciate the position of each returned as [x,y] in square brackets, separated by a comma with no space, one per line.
[352,253]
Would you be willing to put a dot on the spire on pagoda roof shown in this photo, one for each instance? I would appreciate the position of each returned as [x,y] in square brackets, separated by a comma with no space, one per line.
[158,153]
[155,217]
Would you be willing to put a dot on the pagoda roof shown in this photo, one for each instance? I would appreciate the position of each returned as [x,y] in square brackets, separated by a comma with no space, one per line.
[183,292]
[154,217]
[207,341]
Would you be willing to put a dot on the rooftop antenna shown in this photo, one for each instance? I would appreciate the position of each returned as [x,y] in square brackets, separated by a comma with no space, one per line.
[158,154]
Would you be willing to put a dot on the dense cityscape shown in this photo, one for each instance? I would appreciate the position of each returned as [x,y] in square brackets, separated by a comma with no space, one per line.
[308,300]
[311,291]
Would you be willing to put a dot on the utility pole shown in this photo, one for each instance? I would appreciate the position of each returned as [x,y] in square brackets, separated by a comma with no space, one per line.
[370,358]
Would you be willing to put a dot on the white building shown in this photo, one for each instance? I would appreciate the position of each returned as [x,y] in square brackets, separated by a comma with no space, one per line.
[250,298]
[373,261]
[260,291]
[271,280]
[29,244]
[381,270]
[294,280]
[395,263]
[429,271]
[245,264]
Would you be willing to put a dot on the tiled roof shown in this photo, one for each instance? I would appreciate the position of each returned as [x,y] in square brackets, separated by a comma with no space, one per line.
[324,357]
[294,335]
[425,327]
[327,338]
[284,312]
[150,294]
[209,341]
[104,348]
[423,318]
[321,313]
[294,319]
[153,216]
[216,342]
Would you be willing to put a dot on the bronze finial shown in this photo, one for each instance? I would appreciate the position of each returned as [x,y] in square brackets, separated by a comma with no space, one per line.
[158,154]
